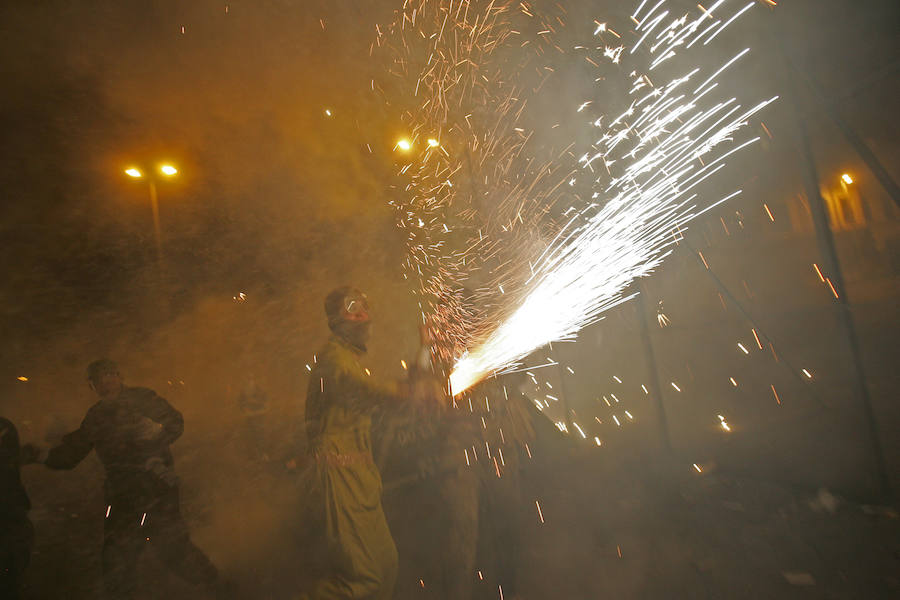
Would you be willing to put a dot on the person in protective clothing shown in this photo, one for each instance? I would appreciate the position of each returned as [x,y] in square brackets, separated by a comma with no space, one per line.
[131,429]
[362,557]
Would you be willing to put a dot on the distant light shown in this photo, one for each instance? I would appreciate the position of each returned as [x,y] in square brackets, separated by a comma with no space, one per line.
[846,179]
[327,112]
[403,364]
[433,143]
[168,170]
[805,372]
[133,173]
[23,378]
[404,144]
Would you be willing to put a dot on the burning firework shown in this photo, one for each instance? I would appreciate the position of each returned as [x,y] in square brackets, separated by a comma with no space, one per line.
[500,271]
[477,194]
[653,156]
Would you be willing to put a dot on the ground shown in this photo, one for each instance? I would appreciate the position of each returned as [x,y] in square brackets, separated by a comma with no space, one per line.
[641,528]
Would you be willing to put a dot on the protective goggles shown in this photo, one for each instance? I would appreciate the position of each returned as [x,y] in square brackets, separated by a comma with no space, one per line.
[356,307]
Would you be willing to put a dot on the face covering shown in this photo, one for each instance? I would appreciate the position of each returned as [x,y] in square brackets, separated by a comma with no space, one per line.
[356,333]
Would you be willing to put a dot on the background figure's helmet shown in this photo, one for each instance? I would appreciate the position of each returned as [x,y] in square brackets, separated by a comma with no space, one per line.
[100,367]
[346,303]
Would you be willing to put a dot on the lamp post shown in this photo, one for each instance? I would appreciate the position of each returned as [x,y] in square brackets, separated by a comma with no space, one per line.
[166,170]
[845,181]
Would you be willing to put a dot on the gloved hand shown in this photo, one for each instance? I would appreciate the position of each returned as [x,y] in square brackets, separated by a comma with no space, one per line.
[428,392]
[30,454]
[146,430]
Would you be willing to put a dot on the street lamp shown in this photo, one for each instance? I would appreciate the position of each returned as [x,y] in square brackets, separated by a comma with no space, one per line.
[846,180]
[168,171]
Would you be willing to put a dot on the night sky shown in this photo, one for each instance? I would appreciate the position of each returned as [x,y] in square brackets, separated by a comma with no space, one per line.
[234,94]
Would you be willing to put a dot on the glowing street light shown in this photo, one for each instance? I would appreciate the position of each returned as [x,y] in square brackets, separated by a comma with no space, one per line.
[169,171]
[404,144]
[847,179]
[433,143]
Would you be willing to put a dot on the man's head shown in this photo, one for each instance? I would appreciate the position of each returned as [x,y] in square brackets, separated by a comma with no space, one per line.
[103,377]
[347,310]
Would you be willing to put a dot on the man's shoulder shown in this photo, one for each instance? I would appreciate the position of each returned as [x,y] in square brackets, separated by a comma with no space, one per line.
[333,353]
[138,392]
[94,412]
[138,396]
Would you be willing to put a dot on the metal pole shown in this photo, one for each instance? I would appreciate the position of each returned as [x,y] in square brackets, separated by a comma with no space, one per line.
[887,182]
[825,240]
[655,387]
[154,204]
[723,289]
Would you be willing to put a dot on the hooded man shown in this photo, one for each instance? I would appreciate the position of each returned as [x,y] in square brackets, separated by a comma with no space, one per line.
[362,558]
[131,429]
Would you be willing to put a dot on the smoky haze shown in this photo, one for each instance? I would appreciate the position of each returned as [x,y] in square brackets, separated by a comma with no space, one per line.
[276,202]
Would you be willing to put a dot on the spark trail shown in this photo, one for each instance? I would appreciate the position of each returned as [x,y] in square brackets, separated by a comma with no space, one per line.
[647,168]
[461,74]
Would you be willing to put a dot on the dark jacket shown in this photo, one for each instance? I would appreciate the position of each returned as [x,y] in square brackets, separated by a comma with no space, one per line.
[113,428]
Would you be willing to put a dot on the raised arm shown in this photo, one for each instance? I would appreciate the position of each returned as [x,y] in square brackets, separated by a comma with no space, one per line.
[364,389]
[73,447]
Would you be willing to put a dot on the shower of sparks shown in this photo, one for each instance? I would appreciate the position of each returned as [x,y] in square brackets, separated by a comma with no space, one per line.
[476,195]
[650,160]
